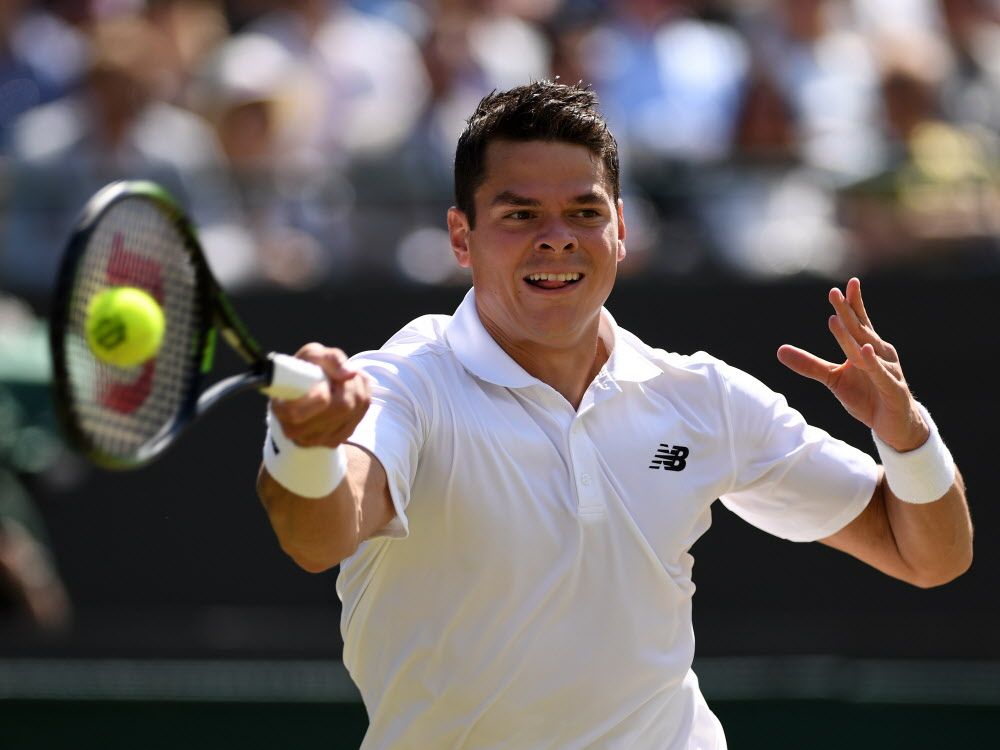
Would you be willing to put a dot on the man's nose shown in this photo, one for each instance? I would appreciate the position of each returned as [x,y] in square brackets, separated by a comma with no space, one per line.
[556,236]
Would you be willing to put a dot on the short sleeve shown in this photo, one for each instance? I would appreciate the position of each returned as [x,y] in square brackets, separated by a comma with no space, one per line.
[790,479]
[393,429]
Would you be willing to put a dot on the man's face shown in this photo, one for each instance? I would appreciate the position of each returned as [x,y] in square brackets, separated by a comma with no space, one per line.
[546,245]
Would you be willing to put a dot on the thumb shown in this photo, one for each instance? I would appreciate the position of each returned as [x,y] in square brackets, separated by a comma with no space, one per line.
[334,363]
[805,364]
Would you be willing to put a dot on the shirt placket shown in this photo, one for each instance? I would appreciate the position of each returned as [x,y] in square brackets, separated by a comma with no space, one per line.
[591,502]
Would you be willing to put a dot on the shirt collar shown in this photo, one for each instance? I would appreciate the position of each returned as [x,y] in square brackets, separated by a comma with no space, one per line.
[479,352]
[482,356]
[627,362]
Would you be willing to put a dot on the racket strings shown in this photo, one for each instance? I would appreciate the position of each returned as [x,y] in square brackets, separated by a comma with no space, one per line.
[122,410]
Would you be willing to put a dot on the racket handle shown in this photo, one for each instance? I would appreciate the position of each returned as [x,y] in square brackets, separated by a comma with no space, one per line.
[292,377]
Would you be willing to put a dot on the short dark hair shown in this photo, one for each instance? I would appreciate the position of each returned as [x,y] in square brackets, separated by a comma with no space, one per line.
[538,111]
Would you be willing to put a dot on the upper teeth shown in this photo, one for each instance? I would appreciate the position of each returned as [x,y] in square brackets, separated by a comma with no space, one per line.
[554,277]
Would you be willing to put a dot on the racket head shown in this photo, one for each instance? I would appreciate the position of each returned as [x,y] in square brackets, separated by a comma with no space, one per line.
[131,233]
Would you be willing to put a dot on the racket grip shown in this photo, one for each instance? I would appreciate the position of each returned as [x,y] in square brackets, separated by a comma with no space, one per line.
[292,377]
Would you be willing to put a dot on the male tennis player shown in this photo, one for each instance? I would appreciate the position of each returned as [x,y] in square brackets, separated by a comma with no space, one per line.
[524,478]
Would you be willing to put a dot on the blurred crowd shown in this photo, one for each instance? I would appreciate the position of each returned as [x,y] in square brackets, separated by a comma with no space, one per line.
[312,140]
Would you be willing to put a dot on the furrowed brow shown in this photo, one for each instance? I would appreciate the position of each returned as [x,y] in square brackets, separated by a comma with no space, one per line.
[509,198]
[588,199]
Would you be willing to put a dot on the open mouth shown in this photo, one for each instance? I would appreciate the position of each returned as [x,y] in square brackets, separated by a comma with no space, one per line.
[552,280]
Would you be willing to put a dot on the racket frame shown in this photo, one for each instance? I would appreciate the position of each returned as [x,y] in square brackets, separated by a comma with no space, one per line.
[219,317]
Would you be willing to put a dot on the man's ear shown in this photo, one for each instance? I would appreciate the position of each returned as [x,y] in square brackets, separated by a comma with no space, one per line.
[621,230]
[458,233]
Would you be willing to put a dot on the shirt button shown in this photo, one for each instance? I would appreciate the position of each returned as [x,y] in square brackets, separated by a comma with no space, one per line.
[585,479]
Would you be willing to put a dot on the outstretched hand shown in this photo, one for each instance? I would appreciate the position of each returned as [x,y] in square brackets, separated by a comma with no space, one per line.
[870,382]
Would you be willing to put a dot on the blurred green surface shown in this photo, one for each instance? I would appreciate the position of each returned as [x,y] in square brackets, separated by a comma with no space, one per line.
[24,352]
[751,725]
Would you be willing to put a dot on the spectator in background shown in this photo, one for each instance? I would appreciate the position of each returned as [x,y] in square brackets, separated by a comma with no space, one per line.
[970,93]
[882,19]
[457,81]
[296,212]
[22,84]
[116,126]
[936,199]
[359,90]
[31,591]
[368,84]
[828,76]
[767,213]
[669,75]
[32,594]
[192,30]
[569,47]
[669,81]
[468,50]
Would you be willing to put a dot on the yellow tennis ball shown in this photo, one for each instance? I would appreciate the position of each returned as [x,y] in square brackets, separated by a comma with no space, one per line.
[124,326]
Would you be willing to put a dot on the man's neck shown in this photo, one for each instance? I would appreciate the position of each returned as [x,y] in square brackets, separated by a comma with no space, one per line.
[568,370]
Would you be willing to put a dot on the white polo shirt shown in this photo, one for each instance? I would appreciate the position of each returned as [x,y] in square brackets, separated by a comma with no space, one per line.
[534,590]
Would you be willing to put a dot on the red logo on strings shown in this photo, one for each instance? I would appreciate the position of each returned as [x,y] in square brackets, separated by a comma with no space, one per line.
[126,268]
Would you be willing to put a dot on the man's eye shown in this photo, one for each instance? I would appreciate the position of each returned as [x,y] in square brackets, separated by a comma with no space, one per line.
[519,215]
[588,213]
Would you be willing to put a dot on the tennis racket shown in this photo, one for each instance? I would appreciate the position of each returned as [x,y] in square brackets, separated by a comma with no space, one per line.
[132,233]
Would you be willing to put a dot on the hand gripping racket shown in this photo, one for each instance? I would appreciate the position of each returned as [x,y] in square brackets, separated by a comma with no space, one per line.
[132,233]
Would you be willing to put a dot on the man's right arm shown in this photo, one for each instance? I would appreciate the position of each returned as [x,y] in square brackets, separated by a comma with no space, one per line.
[319,532]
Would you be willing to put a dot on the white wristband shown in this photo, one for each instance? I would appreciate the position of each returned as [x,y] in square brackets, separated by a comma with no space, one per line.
[309,472]
[922,475]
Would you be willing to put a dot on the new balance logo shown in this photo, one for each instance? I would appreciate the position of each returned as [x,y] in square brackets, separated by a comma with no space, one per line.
[670,458]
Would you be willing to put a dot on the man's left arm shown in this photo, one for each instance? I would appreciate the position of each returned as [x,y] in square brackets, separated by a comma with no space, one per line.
[926,545]
[917,526]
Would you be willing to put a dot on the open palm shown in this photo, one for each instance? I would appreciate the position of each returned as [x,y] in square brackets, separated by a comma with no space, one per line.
[870,382]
